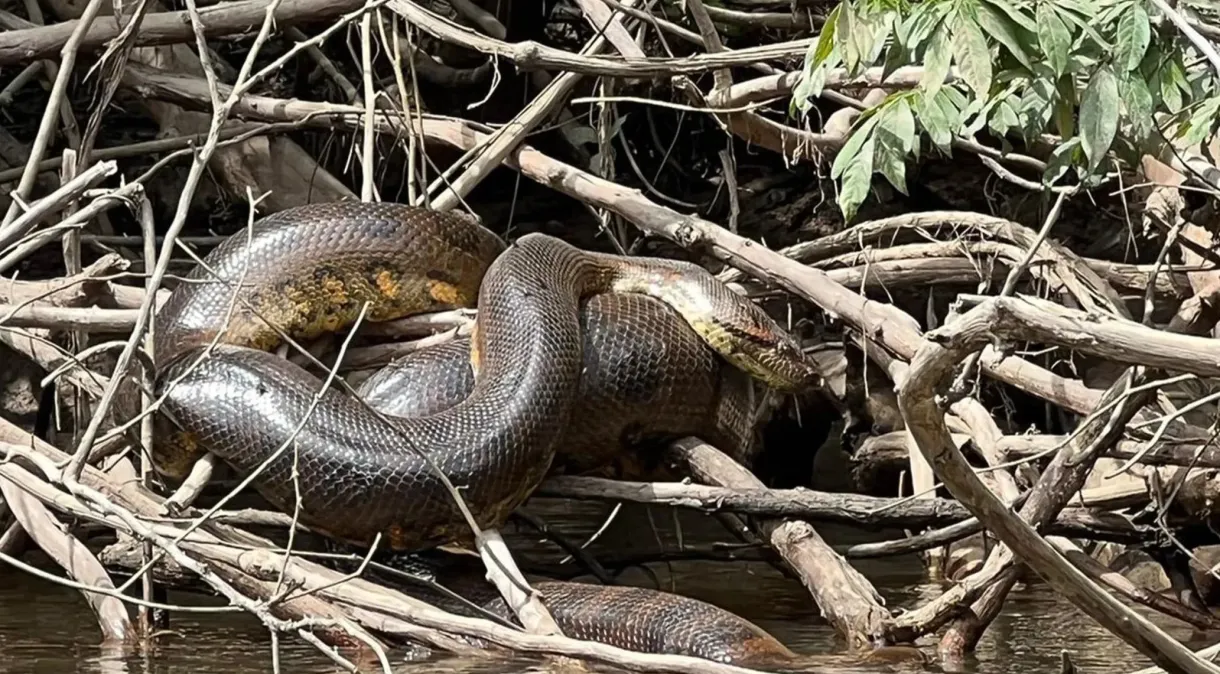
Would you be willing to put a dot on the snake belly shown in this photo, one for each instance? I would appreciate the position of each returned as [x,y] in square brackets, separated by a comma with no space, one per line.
[358,476]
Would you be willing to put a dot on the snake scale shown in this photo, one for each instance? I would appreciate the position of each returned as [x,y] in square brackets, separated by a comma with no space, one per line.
[625,339]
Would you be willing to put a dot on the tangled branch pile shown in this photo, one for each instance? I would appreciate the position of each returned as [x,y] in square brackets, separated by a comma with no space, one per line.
[991,222]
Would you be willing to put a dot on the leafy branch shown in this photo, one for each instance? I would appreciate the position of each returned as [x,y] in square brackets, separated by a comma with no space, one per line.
[1108,79]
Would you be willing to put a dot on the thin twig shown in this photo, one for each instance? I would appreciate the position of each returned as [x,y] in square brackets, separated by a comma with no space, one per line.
[370,99]
[46,128]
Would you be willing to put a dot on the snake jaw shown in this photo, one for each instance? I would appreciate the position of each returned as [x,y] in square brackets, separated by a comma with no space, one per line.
[758,346]
[785,369]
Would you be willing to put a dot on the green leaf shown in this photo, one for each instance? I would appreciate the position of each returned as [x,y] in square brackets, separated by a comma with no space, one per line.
[1034,110]
[1171,92]
[924,19]
[1061,161]
[1152,61]
[1201,82]
[806,86]
[936,61]
[857,180]
[1200,125]
[1000,25]
[1079,62]
[855,141]
[1018,17]
[1137,100]
[982,111]
[1110,12]
[1133,35]
[885,28]
[1099,116]
[1150,70]
[826,41]
[955,106]
[1085,8]
[1065,107]
[933,119]
[846,39]
[1053,36]
[893,166]
[1003,119]
[896,128]
[896,57]
[973,56]
[861,39]
[1177,72]
[1081,19]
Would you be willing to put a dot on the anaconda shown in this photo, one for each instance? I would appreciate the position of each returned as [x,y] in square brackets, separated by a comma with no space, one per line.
[354,474]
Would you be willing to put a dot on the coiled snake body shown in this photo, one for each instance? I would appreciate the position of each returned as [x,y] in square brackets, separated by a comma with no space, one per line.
[353,473]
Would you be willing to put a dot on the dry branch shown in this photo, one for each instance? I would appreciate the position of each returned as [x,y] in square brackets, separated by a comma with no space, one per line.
[491,153]
[1042,322]
[252,565]
[162,28]
[1084,284]
[88,319]
[866,511]
[532,55]
[889,451]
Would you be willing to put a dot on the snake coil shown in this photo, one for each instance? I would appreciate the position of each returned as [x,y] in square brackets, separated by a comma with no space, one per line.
[353,473]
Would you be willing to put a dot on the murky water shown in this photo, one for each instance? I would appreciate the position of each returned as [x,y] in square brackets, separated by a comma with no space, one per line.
[46,628]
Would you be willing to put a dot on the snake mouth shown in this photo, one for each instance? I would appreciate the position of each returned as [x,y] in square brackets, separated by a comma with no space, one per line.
[786,375]
[765,352]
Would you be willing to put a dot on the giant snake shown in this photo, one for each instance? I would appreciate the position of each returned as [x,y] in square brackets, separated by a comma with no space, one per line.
[574,353]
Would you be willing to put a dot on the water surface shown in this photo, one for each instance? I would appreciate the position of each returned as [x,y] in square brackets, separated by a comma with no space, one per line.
[46,628]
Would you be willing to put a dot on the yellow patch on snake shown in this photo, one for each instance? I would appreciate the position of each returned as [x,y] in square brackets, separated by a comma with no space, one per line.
[446,293]
[177,454]
[336,291]
[388,285]
[186,442]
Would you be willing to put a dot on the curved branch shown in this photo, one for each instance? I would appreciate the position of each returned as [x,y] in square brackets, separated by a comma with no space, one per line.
[1025,318]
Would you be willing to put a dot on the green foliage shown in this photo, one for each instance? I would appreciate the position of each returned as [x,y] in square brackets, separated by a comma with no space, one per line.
[1106,77]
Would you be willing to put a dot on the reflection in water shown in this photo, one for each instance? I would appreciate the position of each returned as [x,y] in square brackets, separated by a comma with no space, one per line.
[45,628]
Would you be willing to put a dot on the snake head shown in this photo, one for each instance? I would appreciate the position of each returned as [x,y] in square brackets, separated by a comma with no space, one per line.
[752,341]
[779,361]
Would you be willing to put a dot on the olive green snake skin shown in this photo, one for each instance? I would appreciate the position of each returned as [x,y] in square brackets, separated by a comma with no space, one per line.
[560,331]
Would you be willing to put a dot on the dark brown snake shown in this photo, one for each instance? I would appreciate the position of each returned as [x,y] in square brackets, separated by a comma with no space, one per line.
[559,332]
